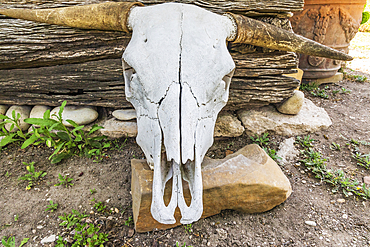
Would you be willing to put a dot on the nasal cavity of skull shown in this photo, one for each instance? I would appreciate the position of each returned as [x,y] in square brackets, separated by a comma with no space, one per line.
[168,191]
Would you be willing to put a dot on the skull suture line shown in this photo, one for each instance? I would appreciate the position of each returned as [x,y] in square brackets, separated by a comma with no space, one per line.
[177,72]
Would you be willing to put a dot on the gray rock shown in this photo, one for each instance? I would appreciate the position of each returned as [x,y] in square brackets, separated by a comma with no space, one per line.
[3,109]
[80,114]
[293,105]
[49,239]
[228,125]
[116,129]
[310,119]
[287,150]
[24,112]
[38,111]
[124,115]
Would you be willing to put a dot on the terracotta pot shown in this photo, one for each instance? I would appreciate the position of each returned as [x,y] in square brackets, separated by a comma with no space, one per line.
[330,22]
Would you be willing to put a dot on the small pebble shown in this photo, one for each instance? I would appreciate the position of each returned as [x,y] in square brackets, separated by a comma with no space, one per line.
[116,210]
[304,181]
[341,200]
[345,216]
[39,227]
[310,223]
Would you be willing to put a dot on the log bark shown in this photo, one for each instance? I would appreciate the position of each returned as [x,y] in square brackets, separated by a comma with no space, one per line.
[100,83]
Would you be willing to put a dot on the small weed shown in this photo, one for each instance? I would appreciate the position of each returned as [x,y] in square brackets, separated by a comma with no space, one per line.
[52,207]
[362,159]
[69,220]
[335,146]
[308,87]
[188,228]
[272,153]
[184,245]
[32,177]
[116,146]
[66,181]
[261,140]
[16,217]
[85,234]
[344,90]
[10,242]
[356,78]
[317,165]
[320,93]
[100,206]
[334,92]
[306,141]
[128,221]
[92,191]
[7,174]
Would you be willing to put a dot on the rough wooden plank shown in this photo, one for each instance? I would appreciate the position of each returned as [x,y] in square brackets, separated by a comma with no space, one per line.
[236,6]
[100,83]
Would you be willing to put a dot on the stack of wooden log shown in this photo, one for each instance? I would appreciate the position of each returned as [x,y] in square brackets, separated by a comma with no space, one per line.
[44,64]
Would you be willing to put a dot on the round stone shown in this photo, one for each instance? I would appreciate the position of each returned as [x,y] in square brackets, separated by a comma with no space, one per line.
[114,128]
[124,115]
[38,111]
[293,105]
[79,114]
[24,112]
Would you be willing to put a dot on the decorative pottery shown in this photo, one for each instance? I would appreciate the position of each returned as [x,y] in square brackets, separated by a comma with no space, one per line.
[330,22]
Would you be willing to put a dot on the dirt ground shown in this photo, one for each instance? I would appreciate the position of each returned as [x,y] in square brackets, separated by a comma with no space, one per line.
[338,222]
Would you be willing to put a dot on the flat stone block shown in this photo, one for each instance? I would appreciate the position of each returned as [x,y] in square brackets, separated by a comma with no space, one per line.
[248,181]
[335,78]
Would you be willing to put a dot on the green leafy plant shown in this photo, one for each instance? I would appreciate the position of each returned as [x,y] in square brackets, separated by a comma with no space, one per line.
[272,153]
[308,87]
[315,163]
[320,93]
[69,220]
[344,90]
[85,234]
[362,159]
[261,140]
[92,191]
[65,181]
[14,134]
[188,228]
[335,146]
[128,221]
[184,245]
[100,206]
[7,174]
[16,217]
[52,207]
[365,16]
[32,177]
[305,141]
[66,142]
[10,242]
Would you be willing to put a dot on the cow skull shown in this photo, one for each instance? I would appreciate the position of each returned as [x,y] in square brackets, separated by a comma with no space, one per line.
[177,72]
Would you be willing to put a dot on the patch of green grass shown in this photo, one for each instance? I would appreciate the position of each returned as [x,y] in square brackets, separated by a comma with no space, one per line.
[32,177]
[362,159]
[65,181]
[315,163]
[52,207]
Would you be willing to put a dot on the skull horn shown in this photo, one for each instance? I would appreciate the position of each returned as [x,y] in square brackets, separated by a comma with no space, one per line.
[250,31]
[104,16]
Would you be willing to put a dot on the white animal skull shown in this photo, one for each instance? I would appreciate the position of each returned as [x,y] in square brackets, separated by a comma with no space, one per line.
[177,71]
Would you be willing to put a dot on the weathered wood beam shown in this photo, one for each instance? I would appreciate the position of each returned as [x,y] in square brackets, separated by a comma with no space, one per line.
[100,83]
